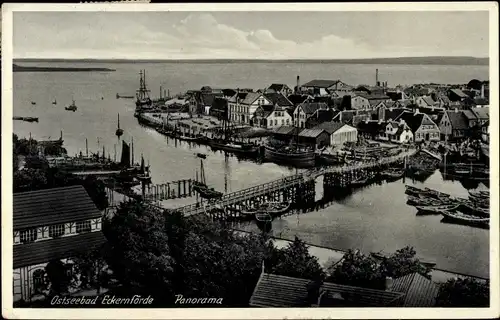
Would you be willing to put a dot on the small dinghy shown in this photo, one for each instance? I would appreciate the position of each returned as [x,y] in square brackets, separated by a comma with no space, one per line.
[435,209]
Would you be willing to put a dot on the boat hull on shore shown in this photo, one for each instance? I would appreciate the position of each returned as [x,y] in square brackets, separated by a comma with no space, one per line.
[299,159]
[243,148]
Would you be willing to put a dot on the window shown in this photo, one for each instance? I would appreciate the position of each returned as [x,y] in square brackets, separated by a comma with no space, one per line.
[83,226]
[38,280]
[275,122]
[287,121]
[29,235]
[56,230]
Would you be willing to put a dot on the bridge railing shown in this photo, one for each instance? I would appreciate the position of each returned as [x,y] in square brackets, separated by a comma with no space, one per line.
[292,180]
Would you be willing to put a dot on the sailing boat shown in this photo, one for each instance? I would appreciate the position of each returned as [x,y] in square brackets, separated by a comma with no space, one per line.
[201,186]
[71,107]
[225,143]
[119,131]
[143,99]
[292,154]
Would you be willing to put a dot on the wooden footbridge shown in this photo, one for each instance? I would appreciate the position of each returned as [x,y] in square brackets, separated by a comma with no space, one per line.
[299,187]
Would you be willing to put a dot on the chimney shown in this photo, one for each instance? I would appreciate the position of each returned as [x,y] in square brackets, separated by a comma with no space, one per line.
[388,283]
[482,90]
[298,83]
[456,110]
[401,121]
[376,78]
[417,111]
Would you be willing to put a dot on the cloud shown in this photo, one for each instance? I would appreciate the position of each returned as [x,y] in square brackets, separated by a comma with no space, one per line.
[196,36]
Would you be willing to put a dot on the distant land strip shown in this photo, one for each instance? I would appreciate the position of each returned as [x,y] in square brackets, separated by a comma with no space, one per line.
[18,68]
[441,60]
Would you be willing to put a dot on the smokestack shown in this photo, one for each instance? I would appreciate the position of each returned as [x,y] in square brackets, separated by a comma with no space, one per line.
[482,90]
[298,83]
[376,78]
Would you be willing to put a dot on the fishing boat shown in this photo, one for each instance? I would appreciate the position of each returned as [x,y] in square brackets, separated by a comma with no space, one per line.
[293,155]
[249,149]
[143,100]
[475,210]
[124,97]
[71,107]
[33,103]
[17,118]
[201,186]
[393,173]
[436,194]
[272,208]
[264,220]
[435,209]
[119,131]
[382,255]
[359,182]
[201,155]
[30,119]
[419,201]
[461,217]
[54,102]
[479,194]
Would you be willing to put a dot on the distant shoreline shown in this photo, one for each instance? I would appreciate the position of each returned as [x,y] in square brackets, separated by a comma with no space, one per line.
[17,68]
[396,61]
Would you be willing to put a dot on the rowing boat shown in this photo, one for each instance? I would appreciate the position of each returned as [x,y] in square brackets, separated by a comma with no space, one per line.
[435,209]
[272,208]
[465,218]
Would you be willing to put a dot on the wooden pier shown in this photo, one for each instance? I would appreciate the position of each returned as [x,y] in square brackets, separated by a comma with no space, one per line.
[298,189]
[170,190]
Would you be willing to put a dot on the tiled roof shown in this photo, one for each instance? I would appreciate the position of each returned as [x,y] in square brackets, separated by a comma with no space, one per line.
[297,98]
[428,100]
[207,99]
[311,107]
[320,83]
[360,297]
[51,206]
[267,109]
[278,98]
[459,93]
[469,115]
[251,97]
[481,101]
[482,113]
[44,251]
[219,104]
[412,120]
[419,291]
[330,127]
[241,96]
[285,130]
[277,86]
[311,133]
[372,127]
[280,291]
[457,120]
[393,114]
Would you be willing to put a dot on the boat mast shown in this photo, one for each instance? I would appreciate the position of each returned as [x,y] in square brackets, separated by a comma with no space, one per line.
[86,147]
[132,151]
[202,178]
[118,121]
[115,153]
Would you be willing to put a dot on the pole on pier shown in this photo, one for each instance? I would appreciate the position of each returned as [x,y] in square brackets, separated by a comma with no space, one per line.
[115,153]
[132,151]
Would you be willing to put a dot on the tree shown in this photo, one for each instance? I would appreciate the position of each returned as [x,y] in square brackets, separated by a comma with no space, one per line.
[58,277]
[357,270]
[139,254]
[294,261]
[97,192]
[29,179]
[464,293]
[89,267]
[403,262]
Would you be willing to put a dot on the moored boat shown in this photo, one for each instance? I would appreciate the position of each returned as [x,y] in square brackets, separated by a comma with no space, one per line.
[272,208]
[393,174]
[359,182]
[435,209]
[30,119]
[290,155]
[461,217]
[71,107]
[232,146]
[419,201]
[474,210]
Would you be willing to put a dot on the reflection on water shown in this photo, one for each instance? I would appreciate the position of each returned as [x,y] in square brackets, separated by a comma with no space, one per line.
[372,218]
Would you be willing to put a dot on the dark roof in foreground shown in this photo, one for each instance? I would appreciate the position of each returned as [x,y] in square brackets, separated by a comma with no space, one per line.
[362,297]
[51,206]
[280,291]
[419,291]
[44,251]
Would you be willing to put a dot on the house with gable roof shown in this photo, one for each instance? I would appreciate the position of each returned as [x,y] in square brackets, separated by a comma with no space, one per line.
[243,105]
[271,116]
[326,88]
[453,125]
[279,88]
[422,126]
[426,102]
[305,110]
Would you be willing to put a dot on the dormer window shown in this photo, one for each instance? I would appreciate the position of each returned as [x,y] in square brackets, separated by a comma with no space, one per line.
[56,230]
[29,235]
[83,226]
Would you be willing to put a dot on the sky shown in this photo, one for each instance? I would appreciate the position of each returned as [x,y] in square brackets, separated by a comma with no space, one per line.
[249,35]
